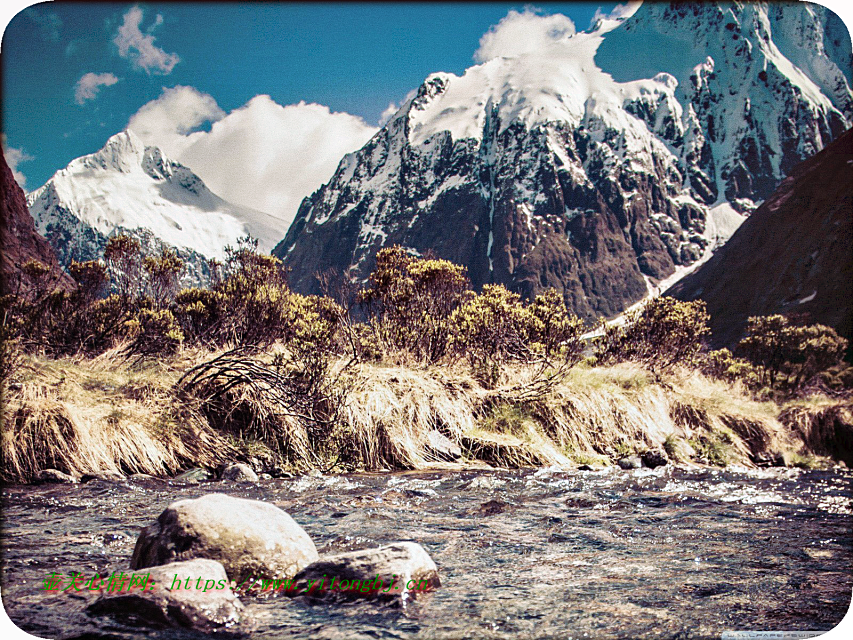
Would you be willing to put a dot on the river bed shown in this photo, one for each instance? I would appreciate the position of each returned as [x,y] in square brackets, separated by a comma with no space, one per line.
[648,553]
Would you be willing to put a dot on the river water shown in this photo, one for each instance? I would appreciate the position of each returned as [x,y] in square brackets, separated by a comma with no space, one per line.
[663,553]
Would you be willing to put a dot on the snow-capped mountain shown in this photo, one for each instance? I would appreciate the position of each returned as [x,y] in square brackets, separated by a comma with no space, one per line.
[600,163]
[132,188]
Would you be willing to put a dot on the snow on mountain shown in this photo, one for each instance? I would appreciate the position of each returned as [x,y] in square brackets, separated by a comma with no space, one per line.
[595,163]
[133,188]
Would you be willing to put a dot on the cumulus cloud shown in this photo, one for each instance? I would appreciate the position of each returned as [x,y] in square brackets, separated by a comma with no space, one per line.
[139,47]
[168,120]
[262,155]
[390,110]
[90,84]
[519,33]
[14,157]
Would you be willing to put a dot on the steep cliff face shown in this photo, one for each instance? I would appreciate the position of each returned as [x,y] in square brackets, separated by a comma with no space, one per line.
[794,255]
[128,187]
[19,240]
[596,164]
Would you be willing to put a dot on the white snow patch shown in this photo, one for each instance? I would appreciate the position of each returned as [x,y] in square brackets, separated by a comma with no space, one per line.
[808,298]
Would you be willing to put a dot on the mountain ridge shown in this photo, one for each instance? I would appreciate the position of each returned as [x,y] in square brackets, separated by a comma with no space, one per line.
[792,256]
[598,188]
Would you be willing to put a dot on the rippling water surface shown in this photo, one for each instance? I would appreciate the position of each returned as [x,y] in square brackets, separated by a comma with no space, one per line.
[668,553]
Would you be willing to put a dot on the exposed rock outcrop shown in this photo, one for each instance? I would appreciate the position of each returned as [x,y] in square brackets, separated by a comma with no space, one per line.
[19,240]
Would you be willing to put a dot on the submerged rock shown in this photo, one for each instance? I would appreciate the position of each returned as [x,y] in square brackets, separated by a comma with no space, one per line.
[388,571]
[55,476]
[485,482]
[194,476]
[194,594]
[630,462]
[239,472]
[491,508]
[249,537]
[654,458]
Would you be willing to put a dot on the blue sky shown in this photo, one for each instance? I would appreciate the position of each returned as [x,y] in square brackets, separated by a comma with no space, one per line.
[351,58]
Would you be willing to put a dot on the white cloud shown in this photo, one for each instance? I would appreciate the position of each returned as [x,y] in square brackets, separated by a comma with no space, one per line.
[262,155]
[389,111]
[619,11]
[139,47]
[169,119]
[90,84]
[14,157]
[519,33]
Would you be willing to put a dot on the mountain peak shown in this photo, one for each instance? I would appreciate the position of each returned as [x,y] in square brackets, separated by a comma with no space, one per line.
[129,187]
[122,152]
[573,165]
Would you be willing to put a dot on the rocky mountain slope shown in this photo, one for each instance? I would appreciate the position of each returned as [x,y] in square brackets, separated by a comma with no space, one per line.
[794,255]
[131,188]
[599,163]
[19,240]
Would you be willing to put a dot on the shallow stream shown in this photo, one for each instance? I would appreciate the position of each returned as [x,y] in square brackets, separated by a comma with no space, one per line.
[663,553]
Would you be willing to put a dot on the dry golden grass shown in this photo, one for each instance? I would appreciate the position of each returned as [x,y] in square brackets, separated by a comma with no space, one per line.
[110,414]
[102,415]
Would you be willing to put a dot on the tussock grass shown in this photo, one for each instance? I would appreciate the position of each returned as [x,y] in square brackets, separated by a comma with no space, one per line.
[101,415]
[825,426]
[111,414]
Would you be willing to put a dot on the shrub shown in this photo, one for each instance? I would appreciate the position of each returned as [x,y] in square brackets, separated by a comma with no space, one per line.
[91,278]
[154,332]
[254,294]
[199,314]
[410,300]
[163,276]
[554,328]
[123,256]
[663,333]
[723,365]
[492,328]
[789,356]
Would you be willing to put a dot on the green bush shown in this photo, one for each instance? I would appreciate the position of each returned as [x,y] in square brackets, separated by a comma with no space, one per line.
[491,329]
[154,332]
[163,272]
[91,278]
[554,328]
[663,333]
[199,314]
[409,302]
[790,356]
[254,297]
[723,365]
[123,257]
